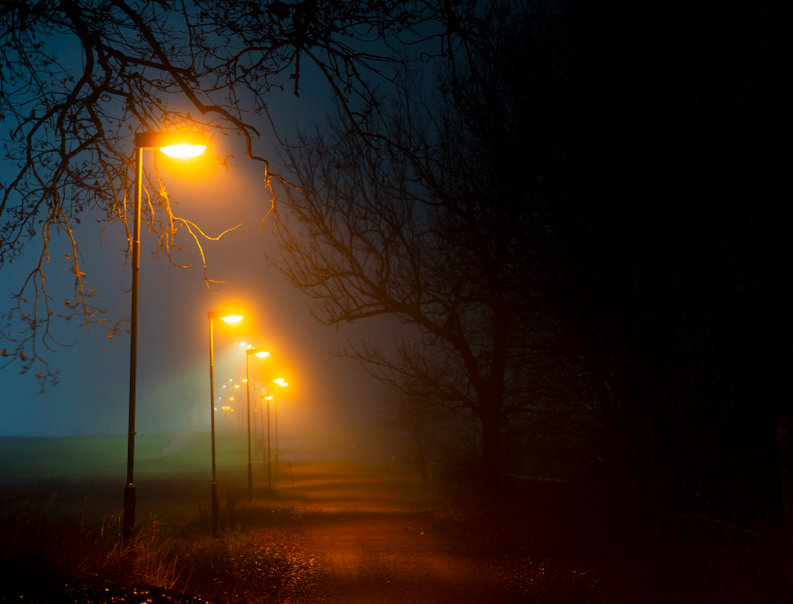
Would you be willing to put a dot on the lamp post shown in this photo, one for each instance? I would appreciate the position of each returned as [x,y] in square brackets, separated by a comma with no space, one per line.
[260,354]
[231,319]
[174,145]
[279,383]
[268,398]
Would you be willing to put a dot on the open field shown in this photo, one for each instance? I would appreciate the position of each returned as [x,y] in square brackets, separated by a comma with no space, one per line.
[172,471]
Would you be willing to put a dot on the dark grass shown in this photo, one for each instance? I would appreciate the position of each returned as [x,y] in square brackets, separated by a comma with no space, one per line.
[50,551]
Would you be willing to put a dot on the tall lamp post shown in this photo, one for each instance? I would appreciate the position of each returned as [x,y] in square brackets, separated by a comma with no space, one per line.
[184,145]
[279,383]
[268,398]
[231,319]
[260,354]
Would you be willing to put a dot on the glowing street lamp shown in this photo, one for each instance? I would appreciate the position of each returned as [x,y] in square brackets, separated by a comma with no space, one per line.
[259,354]
[268,398]
[232,320]
[187,146]
[280,383]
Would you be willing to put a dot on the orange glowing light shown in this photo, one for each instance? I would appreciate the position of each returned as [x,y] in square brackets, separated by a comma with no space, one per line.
[232,319]
[261,354]
[183,150]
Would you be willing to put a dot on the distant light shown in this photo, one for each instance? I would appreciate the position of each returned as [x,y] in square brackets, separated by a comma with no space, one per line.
[232,318]
[183,150]
[261,354]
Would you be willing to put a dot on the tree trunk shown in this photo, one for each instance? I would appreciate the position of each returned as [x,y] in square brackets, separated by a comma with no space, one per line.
[491,452]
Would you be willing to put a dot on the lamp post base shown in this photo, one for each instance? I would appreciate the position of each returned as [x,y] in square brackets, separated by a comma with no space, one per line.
[214,494]
[129,511]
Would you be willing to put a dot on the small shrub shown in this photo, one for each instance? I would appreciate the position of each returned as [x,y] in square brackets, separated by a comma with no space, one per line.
[149,559]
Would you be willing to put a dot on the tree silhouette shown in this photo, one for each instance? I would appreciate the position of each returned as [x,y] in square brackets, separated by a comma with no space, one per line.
[79,78]
[430,217]
[584,223]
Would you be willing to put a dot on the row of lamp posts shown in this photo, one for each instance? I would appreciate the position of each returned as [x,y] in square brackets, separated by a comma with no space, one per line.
[280,383]
[180,145]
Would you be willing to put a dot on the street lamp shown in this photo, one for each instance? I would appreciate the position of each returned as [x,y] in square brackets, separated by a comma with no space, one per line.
[175,145]
[260,354]
[280,383]
[268,398]
[231,319]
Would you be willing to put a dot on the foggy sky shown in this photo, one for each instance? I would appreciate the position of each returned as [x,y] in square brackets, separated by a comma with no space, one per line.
[324,392]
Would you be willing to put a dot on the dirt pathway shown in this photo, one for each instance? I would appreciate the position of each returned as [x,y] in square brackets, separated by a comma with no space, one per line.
[374,540]
[395,557]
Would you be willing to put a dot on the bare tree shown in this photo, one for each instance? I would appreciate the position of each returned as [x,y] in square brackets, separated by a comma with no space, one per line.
[80,77]
[430,218]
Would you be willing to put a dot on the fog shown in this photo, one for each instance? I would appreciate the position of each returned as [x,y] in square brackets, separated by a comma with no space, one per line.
[328,398]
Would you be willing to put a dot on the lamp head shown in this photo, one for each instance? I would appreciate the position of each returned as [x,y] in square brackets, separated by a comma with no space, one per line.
[183,150]
[180,144]
[251,350]
[224,316]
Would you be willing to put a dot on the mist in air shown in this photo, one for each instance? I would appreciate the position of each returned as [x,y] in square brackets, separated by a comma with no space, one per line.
[329,400]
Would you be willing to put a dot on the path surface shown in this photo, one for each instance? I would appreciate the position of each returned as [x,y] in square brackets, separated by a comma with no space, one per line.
[395,558]
[375,540]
